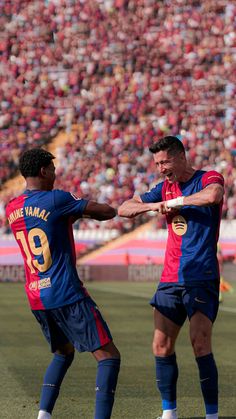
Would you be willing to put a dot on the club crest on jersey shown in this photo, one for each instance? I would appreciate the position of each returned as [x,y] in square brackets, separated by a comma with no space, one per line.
[77,198]
[179,225]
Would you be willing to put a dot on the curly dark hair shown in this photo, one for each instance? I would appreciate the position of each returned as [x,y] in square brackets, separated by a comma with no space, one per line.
[169,143]
[31,161]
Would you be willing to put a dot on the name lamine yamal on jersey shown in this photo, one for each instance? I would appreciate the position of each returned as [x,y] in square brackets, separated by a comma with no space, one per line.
[29,212]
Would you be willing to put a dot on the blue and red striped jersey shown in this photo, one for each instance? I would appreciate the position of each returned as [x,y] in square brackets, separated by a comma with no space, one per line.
[193,231]
[41,222]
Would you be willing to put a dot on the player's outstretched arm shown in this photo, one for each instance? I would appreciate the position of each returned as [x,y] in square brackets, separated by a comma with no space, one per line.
[210,195]
[136,206]
[99,211]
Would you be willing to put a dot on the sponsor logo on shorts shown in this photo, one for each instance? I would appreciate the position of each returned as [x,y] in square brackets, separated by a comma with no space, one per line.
[198,300]
[40,284]
[179,225]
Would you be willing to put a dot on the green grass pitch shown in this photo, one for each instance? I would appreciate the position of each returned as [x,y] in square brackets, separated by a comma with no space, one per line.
[24,355]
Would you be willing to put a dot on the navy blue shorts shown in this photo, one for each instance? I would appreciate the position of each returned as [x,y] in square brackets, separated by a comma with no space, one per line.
[179,301]
[80,323]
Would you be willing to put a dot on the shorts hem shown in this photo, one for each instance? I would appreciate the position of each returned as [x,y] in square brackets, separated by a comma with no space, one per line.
[168,317]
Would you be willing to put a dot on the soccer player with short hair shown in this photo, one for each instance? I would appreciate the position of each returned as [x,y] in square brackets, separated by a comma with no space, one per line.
[189,286]
[41,220]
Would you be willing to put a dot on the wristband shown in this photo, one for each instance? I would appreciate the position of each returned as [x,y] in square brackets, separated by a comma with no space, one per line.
[175,203]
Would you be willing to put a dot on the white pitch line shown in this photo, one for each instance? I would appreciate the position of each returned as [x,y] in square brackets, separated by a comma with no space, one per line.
[146,296]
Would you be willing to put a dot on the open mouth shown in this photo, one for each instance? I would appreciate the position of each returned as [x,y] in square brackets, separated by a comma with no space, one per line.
[170,175]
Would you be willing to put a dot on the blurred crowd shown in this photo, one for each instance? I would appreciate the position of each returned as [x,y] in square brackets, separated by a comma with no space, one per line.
[124,73]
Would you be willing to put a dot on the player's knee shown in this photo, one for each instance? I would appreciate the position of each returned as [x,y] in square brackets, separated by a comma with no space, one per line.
[114,353]
[162,348]
[106,352]
[201,344]
[65,350]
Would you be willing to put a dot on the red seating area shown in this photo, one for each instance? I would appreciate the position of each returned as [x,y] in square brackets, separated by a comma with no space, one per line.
[124,73]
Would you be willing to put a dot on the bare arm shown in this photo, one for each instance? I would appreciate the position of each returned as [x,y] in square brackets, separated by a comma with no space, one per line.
[136,206]
[99,211]
[210,195]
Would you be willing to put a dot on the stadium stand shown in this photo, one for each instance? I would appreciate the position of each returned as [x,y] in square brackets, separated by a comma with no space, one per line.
[109,77]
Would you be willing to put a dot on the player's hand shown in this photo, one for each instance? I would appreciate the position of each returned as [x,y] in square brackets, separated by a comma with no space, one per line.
[161,208]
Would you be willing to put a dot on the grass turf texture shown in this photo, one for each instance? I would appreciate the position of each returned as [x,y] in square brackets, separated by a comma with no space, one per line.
[24,356]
